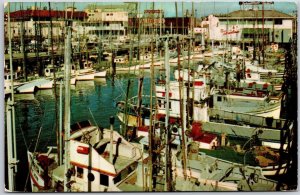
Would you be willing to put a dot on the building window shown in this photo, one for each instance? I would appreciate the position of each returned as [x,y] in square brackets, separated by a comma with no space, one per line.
[219,99]
[107,14]
[278,21]
[111,14]
[159,103]
[103,180]
[79,172]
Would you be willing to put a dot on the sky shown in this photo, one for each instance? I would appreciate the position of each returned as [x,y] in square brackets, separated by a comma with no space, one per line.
[203,8]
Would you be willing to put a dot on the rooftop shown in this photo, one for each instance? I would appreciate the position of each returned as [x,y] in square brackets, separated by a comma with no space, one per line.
[26,14]
[256,14]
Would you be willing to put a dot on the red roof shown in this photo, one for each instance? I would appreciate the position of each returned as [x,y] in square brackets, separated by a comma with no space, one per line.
[196,130]
[25,14]
[206,138]
[172,120]
[143,128]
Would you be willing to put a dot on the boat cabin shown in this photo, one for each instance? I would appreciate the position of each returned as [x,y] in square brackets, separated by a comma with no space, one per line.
[49,71]
[90,156]
[7,76]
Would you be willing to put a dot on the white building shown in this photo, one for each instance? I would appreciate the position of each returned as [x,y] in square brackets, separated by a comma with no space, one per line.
[245,24]
[105,22]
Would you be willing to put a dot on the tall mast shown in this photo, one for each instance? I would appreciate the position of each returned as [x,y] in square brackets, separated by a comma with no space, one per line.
[176,9]
[36,36]
[181,111]
[263,34]
[168,165]
[58,137]
[189,79]
[193,49]
[10,117]
[67,118]
[151,114]
[182,31]
[23,46]
[139,103]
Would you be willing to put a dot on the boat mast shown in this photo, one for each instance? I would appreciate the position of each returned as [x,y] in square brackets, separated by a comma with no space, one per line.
[124,129]
[57,127]
[168,165]
[189,79]
[10,117]
[191,104]
[111,121]
[23,46]
[67,115]
[139,103]
[36,36]
[181,111]
[150,165]
[182,22]
[176,9]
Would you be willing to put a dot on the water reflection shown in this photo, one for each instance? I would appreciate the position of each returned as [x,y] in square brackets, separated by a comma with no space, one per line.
[90,100]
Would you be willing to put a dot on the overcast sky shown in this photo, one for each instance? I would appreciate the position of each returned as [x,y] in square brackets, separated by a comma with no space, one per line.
[203,8]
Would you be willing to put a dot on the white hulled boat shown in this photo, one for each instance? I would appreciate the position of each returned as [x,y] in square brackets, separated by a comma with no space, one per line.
[91,169]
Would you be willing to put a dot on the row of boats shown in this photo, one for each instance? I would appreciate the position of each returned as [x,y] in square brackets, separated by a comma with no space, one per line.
[47,82]
[240,121]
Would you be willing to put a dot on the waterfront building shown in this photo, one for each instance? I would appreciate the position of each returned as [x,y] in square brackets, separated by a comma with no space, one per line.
[107,21]
[249,25]
[36,21]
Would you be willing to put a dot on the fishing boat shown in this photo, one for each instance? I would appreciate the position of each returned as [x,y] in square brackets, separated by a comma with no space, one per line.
[49,71]
[7,83]
[92,167]
[84,74]
[100,74]
[121,59]
[95,159]
[32,86]
[205,169]
[199,92]
[263,157]
[252,97]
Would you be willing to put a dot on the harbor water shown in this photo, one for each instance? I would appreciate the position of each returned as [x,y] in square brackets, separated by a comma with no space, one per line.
[90,100]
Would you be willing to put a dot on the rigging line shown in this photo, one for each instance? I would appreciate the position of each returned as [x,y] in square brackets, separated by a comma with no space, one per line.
[120,86]
[93,117]
[35,147]
[46,143]
[23,137]
[27,178]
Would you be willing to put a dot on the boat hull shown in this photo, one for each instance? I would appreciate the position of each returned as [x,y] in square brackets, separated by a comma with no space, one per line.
[85,77]
[101,74]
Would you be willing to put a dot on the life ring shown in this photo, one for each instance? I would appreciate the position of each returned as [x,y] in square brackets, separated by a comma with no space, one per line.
[212,91]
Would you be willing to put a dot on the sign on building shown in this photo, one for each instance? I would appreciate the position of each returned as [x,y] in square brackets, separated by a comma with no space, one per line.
[153,17]
[233,30]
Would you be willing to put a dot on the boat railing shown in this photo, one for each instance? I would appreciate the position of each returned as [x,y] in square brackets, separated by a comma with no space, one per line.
[248,118]
[50,149]
[145,104]
[36,165]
